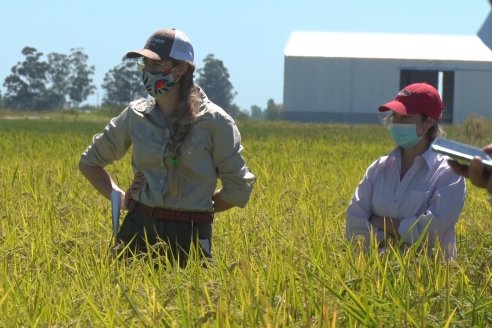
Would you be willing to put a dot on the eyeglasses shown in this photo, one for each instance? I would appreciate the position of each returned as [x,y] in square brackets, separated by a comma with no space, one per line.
[159,65]
[412,119]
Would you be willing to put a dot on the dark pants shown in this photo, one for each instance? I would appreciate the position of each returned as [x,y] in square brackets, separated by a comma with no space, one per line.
[141,233]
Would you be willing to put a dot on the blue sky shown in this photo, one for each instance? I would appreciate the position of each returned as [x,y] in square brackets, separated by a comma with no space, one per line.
[248,36]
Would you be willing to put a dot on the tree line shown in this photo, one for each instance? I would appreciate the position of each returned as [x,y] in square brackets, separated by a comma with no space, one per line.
[66,80]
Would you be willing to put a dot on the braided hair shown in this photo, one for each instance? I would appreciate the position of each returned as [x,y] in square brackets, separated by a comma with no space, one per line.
[183,119]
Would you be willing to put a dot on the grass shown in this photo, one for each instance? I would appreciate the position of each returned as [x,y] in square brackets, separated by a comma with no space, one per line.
[282,261]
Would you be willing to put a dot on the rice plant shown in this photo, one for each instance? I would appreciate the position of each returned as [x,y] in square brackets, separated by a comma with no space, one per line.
[283,261]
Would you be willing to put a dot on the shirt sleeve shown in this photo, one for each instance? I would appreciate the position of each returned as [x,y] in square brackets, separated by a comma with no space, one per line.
[237,180]
[443,212]
[110,145]
[359,209]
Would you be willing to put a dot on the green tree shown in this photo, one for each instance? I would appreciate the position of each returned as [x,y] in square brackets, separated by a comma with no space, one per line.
[35,84]
[273,111]
[242,115]
[213,77]
[58,73]
[256,112]
[233,110]
[123,84]
[79,84]
[26,85]
[70,77]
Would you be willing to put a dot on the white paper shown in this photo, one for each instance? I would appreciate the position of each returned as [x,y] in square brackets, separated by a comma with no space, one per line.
[115,210]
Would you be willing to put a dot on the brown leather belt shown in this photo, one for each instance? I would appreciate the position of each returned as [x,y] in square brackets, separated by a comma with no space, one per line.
[169,215]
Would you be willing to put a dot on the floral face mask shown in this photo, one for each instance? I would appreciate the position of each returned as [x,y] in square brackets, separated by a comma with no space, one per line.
[158,84]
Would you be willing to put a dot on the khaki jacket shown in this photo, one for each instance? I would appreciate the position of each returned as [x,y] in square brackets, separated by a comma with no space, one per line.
[211,151]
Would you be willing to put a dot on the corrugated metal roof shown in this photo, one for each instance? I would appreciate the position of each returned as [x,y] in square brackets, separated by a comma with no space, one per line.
[388,46]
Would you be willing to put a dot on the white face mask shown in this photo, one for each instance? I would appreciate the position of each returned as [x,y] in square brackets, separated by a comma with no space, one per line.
[158,84]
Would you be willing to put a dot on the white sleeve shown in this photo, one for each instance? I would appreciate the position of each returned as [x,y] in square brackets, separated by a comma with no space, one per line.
[359,208]
[443,212]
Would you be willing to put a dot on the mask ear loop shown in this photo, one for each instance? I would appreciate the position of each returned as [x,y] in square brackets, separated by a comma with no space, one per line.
[172,70]
[386,119]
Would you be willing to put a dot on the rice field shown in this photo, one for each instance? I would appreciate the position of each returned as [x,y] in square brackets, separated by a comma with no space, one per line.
[283,261]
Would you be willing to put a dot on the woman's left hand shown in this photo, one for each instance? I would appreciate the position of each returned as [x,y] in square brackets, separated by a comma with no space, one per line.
[388,225]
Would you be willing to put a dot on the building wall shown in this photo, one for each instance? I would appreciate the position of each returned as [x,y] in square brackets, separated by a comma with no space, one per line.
[350,90]
[473,94]
[344,90]
[337,85]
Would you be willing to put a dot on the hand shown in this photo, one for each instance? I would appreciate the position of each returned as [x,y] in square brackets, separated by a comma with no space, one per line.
[388,225]
[137,184]
[475,171]
[220,205]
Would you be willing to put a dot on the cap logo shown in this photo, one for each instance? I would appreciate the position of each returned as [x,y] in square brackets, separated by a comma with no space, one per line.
[404,92]
[158,40]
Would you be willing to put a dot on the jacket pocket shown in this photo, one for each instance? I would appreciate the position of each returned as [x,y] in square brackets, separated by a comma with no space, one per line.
[148,148]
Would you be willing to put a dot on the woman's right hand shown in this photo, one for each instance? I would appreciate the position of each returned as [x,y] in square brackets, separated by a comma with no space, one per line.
[475,171]
[137,184]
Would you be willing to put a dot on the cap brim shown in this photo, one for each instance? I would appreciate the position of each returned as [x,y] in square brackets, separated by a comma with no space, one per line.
[143,53]
[395,106]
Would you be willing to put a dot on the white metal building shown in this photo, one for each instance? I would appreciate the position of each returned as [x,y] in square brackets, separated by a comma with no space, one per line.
[344,77]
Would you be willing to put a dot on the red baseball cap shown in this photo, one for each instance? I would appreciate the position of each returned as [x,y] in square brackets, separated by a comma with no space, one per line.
[416,98]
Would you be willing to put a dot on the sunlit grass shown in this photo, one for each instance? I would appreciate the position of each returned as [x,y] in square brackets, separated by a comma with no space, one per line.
[281,262]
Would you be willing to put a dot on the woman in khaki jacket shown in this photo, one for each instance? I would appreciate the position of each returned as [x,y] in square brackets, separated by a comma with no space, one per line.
[182,144]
